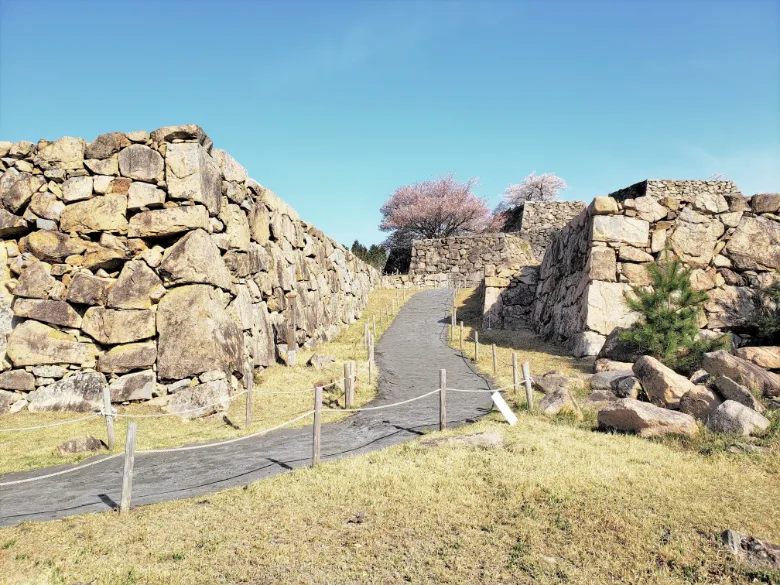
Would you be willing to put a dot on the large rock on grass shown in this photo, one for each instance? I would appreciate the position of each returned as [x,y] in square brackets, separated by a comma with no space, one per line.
[606,380]
[722,363]
[88,444]
[735,418]
[767,357]
[663,385]
[187,316]
[33,343]
[81,392]
[118,326]
[200,400]
[738,393]
[554,381]
[630,415]
[700,402]
[617,350]
[560,402]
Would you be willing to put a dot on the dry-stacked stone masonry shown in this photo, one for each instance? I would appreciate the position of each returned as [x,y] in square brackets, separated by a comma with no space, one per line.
[152,263]
[541,219]
[731,242]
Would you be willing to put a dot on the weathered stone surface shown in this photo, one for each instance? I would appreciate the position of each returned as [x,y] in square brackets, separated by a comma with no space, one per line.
[605,380]
[128,357]
[231,170]
[236,235]
[46,205]
[17,380]
[259,224]
[603,265]
[100,214]
[168,222]
[200,400]
[755,244]
[195,259]
[607,365]
[186,316]
[738,393]
[766,202]
[113,326]
[598,398]
[318,361]
[560,402]
[193,175]
[16,189]
[81,392]
[181,132]
[647,420]
[262,345]
[757,552]
[109,166]
[632,254]
[33,343]
[77,189]
[10,224]
[767,357]
[67,153]
[627,387]
[710,202]
[603,206]
[699,402]
[144,195]
[106,145]
[51,246]
[722,363]
[137,287]
[606,307]
[662,385]
[587,343]
[484,439]
[86,289]
[555,381]
[46,311]
[735,418]
[132,387]
[617,350]
[87,444]
[49,371]
[619,228]
[649,209]
[637,274]
[141,163]
[36,282]
[695,237]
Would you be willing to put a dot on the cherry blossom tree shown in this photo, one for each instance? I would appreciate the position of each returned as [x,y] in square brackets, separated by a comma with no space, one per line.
[533,188]
[434,209]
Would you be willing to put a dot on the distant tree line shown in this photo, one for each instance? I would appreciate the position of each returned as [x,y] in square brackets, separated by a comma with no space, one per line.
[376,256]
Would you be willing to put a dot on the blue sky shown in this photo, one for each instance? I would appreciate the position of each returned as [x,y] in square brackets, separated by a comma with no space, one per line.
[334,104]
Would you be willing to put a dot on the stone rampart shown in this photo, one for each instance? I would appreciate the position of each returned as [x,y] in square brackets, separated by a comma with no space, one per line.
[541,219]
[142,260]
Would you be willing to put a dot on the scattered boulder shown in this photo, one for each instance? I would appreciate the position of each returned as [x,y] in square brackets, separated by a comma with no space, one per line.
[630,415]
[200,400]
[605,380]
[599,398]
[318,361]
[484,439]
[722,363]
[132,387]
[700,377]
[607,365]
[755,551]
[81,392]
[662,384]
[700,402]
[767,357]
[628,387]
[88,444]
[738,393]
[617,350]
[735,418]
[559,402]
[553,381]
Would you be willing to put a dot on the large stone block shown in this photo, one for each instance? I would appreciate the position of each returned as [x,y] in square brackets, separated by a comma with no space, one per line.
[128,357]
[81,392]
[619,228]
[602,264]
[185,317]
[11,225]
[755,245]
[195,259]
[137,287]
[133,387]
[106,145]
[606,307]
[113,326]
[85,289]
[33,343]
[100,214]
[695,236]
[200,400]
[734,418]
[722,363]
[663,385]
[67,153]
[193,175]
[47,311]
[259,224]
[16,189]
[141,163]
[36,282]
[767,357]
[51,246]
[168,222]
[647,420]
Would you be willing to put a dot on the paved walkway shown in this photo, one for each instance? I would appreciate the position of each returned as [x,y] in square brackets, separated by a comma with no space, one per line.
[409,356]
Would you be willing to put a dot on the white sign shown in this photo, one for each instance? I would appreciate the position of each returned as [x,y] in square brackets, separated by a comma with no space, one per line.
[498,400]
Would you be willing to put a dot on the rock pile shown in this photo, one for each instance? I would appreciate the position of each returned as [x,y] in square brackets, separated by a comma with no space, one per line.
[151,263]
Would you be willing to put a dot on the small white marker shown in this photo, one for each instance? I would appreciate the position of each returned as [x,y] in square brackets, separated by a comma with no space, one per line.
[498,400]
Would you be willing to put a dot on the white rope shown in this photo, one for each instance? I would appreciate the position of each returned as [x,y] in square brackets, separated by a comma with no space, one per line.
[63,472]
[380,407]
[477,391]
[199,408]
[57,424]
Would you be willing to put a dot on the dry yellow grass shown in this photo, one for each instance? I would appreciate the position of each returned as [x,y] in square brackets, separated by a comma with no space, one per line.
[557,505]
[26,450]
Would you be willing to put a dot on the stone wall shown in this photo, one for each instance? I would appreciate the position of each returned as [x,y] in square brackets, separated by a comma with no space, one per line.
[470,256]
[541,219]
[731,242]
[143,260]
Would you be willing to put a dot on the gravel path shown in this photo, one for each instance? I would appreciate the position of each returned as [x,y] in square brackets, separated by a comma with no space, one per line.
[409,356]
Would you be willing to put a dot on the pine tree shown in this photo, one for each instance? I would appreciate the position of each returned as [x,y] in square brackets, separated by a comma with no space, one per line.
[765,322]
[667,328]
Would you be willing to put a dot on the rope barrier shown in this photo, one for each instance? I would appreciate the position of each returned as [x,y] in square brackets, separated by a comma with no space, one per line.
[63,472]
[477,391]
[367,408]
[57,424]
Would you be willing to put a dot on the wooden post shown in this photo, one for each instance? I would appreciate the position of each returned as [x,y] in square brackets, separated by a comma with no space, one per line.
[495,360]
[461,336]
[109,418]
[248,383]
[291,342]
[442,399]
[404,292]
[476,346]
[316,427]
[515,375]
[365,335]
[349,386]
[373,318]
[393,306]
[370,361]
[453,321]
[127,475]
[529,396]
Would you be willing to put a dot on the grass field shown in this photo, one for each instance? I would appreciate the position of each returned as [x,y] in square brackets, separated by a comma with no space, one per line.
[21,451]
[559,503]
